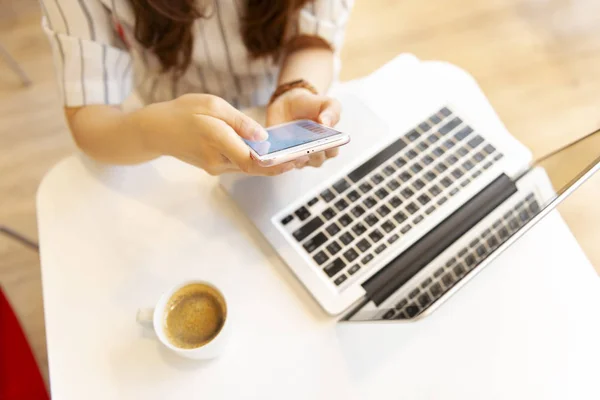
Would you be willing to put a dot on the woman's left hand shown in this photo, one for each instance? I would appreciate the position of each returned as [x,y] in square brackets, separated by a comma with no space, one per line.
[302,104]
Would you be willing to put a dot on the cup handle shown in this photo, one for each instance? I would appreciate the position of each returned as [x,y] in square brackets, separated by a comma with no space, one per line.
[145,317]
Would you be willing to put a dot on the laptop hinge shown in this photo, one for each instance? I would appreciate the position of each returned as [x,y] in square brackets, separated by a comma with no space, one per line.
[383,284]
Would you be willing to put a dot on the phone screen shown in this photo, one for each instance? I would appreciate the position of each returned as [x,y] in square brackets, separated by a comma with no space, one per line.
[291,135]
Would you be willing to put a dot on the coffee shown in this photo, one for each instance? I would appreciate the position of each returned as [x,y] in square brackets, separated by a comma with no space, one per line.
[194,315]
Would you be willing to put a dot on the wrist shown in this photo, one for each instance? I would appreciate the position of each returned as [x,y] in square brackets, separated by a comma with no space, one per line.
[287,87]
[143,125]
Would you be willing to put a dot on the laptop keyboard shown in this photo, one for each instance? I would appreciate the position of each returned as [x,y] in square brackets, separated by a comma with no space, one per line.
[466,259]
[346,226]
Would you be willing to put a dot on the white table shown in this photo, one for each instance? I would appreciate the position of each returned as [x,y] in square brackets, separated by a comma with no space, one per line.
[112,239]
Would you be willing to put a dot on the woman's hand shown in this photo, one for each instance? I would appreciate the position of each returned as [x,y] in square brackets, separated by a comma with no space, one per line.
[302,104]
[205,131]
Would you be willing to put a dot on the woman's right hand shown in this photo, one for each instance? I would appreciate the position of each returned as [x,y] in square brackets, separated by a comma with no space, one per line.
[205,131]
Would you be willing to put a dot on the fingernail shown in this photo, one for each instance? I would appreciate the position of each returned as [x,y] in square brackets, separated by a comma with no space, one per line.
[259,135]
[326,119]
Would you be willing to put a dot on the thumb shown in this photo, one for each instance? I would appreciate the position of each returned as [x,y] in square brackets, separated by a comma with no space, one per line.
[330,112]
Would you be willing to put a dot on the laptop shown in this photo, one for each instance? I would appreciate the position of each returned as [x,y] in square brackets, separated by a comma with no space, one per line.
[406,215]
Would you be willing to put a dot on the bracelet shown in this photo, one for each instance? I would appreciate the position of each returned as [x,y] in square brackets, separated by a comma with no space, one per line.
[286,87]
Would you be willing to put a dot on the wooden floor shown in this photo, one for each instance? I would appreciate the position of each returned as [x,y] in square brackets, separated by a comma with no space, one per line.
[538,61]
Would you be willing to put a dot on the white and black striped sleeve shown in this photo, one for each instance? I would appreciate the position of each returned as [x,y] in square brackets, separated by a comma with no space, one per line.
[325,19]
[90,68]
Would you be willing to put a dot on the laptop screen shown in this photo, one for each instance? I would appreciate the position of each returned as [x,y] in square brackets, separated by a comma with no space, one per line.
[540,188]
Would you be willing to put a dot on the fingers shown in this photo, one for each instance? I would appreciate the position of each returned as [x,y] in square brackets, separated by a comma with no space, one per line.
[330,112]
[331,153]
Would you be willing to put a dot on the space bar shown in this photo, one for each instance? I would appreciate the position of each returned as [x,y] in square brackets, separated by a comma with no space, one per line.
[377,160]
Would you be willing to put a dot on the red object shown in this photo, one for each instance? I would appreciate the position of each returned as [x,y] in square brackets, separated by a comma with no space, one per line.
[20,378]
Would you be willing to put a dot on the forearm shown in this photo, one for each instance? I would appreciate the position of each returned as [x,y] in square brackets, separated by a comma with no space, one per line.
[108,134]
[311,62]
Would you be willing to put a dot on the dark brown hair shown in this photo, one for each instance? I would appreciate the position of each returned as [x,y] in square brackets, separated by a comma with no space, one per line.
[165,27]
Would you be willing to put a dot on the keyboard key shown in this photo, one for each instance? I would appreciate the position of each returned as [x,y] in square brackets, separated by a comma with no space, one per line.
[307,229]
[424,126]
[366,259]
[438,272]
[417,220]
[313,202]
[476,174]
[354,269]
[446,182]
[411,154]
[453,192]
[422,146]
[423,199]
[434,119]
[369,202]
[463,133]
[363,245]
[462,151]
[438,152]
[320,257]
[334,267]
[470,261]
[498,157]
[377,178]
[467,165]
[406,229]
[358,211]
[312,244]
[405,176]
[457,173]
[429,210]
[441,167]
[442,200]
[478,157]
[426,283]
[353,196]
[400,162]
[345,220]
[461,253]
[448,144]
[371,220]
[459,270]
[341,186]
[524,216]
[434,190]
[395,201]
[411,310]
[377,160]
[474,243]
[407,193]
[341,204]
[351,255]
[486,233]
[388,226]
[489,149]
[413,135]
[329,213]
[430,176]
[514,224]
[389,170]
[388,315]
[424,300]
[400,217]
[393,238]
[503,233]
[359,229]
[327,195]
[380,248]
[376,236]
[487,165]
[365,187]
[450,126]
[383,210]
[476,141]
[433,138]
[302,213]
[448,280]
[445,111]
[333,229]
[381,193]
[436,290]
[465,182]
[451,160]
[418,184]
[481,251]
[340,279]
[333,248]
[534,207]
[287,220]
[416,168]
[412,208]
[452,261]
[401,304]
[414,293]
[346,238]
[393,184]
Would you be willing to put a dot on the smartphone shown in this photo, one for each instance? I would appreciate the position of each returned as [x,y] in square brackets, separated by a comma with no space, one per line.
[291,140]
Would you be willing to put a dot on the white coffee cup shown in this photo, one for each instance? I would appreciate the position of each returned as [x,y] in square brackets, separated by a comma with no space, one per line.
[155,318]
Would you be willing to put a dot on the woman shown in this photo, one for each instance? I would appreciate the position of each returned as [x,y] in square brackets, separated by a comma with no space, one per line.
[194,63]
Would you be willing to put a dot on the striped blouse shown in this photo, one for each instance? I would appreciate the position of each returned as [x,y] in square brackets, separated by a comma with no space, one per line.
[98,60]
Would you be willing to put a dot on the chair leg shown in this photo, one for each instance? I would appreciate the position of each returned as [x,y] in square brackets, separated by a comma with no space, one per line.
[14,65]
